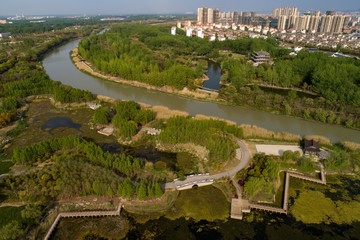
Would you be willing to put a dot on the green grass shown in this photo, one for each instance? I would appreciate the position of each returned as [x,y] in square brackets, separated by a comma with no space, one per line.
[279,196]
[206,203]
[5,167]
[8,214]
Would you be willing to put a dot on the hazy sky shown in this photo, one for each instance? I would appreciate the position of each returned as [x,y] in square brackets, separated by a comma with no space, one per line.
[32,7]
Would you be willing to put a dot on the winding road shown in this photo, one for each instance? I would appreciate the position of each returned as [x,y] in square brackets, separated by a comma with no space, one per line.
[242,154]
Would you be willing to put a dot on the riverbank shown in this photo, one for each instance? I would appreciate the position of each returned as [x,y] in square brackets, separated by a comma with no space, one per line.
[86,67]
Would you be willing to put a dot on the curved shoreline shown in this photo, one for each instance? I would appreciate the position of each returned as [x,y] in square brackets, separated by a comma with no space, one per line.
[85,67]
[198,94]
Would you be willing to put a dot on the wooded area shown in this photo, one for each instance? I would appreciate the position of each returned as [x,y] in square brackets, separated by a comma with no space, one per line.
[215,135]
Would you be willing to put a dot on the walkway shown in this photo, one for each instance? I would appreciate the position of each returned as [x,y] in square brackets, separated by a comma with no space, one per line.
[237,208]
[82,214]
[242,154]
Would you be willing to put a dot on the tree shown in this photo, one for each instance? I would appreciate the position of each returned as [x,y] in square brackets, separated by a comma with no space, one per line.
[32,214]
[11,231]
[101,116]
[142,191]
[158,190]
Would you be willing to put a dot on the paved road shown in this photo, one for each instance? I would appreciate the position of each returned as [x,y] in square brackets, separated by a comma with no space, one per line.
[242,154]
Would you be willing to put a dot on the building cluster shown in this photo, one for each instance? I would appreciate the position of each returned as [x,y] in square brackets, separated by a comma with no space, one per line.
[290,19]
[215,16]
[321,40]
[283,19]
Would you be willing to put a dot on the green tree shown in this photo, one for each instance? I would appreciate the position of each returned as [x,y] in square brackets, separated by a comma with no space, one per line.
[158,190]
[142,190]
[101,116]
[32,214]
[11,231]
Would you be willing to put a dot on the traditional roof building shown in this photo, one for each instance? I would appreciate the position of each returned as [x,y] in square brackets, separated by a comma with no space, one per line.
[260,57]
[311,147]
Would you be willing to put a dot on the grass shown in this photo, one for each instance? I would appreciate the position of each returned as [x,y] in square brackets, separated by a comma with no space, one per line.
[279,195]
[205,203]
[226,187]
[152,206]
[5,166]
[8,214]
[313,207]
[252,131]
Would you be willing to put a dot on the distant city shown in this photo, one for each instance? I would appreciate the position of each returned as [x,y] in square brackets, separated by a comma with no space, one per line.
[288,18]
[324,30]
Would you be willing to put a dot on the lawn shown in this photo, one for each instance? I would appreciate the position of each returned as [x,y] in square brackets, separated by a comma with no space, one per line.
[207,203]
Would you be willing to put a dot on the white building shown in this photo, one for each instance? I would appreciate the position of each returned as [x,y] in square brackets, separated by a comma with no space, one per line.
[200,33]
[173,31]
[189,32]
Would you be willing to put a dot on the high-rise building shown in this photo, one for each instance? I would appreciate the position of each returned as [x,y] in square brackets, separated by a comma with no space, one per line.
[338,24]
[282,22]
[288,11]
[216,15]
[314,23]
[210,16]
[200,15]
[236,18]
[326,23]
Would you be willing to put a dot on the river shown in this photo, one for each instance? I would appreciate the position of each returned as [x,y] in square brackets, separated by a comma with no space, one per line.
[59,67]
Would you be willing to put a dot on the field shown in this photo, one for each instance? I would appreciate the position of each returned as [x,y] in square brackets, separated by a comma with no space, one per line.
[205,203]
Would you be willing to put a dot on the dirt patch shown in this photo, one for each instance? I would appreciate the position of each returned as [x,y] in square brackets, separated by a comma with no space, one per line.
[200,152]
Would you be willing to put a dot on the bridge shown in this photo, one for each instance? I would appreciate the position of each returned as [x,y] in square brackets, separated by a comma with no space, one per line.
[80,215]
[268,208]
[206,89]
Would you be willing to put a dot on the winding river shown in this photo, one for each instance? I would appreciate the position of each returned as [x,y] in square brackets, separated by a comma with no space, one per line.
[60,68]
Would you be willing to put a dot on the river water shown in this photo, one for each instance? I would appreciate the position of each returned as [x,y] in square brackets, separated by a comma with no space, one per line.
[59,67]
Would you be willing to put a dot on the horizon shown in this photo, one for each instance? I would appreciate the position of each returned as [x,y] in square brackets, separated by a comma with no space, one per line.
[157,7]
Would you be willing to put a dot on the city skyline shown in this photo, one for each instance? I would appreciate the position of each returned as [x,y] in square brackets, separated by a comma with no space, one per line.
[44,7]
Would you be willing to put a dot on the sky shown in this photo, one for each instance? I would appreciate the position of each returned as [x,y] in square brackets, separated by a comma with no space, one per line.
[123,7]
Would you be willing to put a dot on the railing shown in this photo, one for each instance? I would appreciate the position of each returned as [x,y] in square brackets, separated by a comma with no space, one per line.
[81,214]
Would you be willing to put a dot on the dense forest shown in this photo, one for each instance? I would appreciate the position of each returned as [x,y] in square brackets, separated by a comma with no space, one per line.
[26,27]
[126,116]
[215,135]
[142,53]
[76,167]
[258,179]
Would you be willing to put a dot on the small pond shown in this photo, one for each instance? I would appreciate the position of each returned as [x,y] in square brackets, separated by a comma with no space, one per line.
[59,122]
[214,75]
